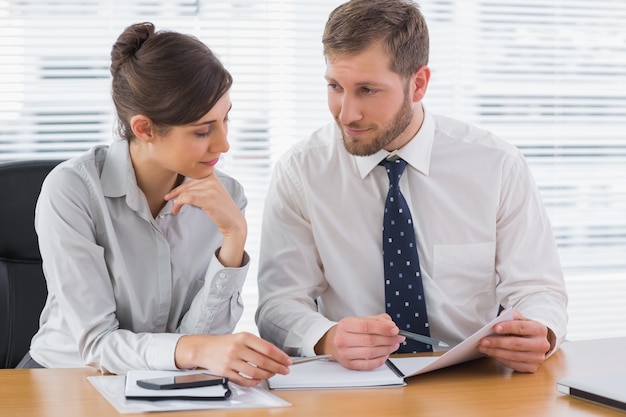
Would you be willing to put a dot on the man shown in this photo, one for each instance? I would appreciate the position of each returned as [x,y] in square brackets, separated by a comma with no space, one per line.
[482,235]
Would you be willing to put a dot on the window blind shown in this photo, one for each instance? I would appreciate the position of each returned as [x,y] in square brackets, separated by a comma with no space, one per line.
[546,76]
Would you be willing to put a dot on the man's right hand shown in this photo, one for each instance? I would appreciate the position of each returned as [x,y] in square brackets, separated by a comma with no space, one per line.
[361,343]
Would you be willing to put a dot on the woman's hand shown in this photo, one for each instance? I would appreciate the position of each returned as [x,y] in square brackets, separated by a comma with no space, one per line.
[242,357]
[211,196]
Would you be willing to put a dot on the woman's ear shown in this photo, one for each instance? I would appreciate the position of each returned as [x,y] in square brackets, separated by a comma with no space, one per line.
[420,83]
[142,128]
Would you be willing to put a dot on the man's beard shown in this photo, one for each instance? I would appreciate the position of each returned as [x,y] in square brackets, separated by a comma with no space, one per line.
[389,133]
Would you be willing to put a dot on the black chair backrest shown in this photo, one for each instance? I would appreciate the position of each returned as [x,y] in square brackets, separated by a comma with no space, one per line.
[22,285]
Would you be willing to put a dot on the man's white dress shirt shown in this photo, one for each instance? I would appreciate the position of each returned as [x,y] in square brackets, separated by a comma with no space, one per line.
[483,236]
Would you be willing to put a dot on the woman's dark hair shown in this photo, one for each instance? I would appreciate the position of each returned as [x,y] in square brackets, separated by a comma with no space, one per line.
[171,78]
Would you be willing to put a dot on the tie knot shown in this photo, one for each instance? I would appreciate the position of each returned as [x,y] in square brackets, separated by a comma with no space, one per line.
[394,168]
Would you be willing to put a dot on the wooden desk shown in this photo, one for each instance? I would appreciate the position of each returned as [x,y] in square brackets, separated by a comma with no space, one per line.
[478,388]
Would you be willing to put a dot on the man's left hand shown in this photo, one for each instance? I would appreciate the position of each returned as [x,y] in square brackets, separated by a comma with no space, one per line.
[520,344]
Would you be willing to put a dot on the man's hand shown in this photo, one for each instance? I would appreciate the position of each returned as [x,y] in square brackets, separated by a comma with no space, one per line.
[520,344]
[361,343]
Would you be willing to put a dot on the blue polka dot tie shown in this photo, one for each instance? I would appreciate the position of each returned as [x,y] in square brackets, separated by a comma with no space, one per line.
[404,293]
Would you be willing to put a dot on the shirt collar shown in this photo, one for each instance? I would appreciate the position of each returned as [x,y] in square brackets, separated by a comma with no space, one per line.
[416,152]
[117,172]
[118,179]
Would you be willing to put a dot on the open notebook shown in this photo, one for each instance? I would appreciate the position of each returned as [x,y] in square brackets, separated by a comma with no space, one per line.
[608,390]
[329,374]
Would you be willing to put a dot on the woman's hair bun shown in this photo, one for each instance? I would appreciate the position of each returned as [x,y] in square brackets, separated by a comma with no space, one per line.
[171,78]
[128,43]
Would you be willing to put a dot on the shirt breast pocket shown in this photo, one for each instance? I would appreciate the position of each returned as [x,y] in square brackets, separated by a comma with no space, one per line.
[463,272]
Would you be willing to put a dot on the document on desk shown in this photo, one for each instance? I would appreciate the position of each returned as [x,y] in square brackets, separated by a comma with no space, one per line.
[463,352]
[330,374]
[113,388]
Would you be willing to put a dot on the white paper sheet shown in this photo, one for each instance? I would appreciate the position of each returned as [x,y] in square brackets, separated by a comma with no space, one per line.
[329,374]
[462,352]
[112,388]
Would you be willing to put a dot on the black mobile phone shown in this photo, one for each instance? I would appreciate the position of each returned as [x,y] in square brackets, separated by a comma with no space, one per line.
[182,381]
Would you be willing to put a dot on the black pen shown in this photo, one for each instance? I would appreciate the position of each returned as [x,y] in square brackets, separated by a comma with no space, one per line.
[423,339]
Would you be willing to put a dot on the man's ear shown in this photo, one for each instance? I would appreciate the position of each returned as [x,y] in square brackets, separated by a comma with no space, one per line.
[142,128]
[419,83]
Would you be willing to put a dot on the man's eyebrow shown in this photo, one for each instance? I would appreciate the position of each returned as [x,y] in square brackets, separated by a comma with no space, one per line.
[369,84]
[359,84]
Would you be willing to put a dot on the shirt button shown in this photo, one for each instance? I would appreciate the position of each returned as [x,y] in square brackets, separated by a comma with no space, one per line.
[209,313]
[222,275]
[219,286]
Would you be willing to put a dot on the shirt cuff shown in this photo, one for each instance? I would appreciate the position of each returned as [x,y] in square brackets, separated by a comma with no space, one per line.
[219,273]
[313,335]
[162,350]
[554,345]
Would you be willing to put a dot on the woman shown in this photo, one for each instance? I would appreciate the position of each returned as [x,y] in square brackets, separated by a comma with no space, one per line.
[143,240]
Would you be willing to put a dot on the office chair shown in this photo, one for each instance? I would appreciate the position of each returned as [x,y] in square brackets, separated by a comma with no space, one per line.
[22,285]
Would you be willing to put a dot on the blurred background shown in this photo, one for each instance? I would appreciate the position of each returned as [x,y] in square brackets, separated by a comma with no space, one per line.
[549,76]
